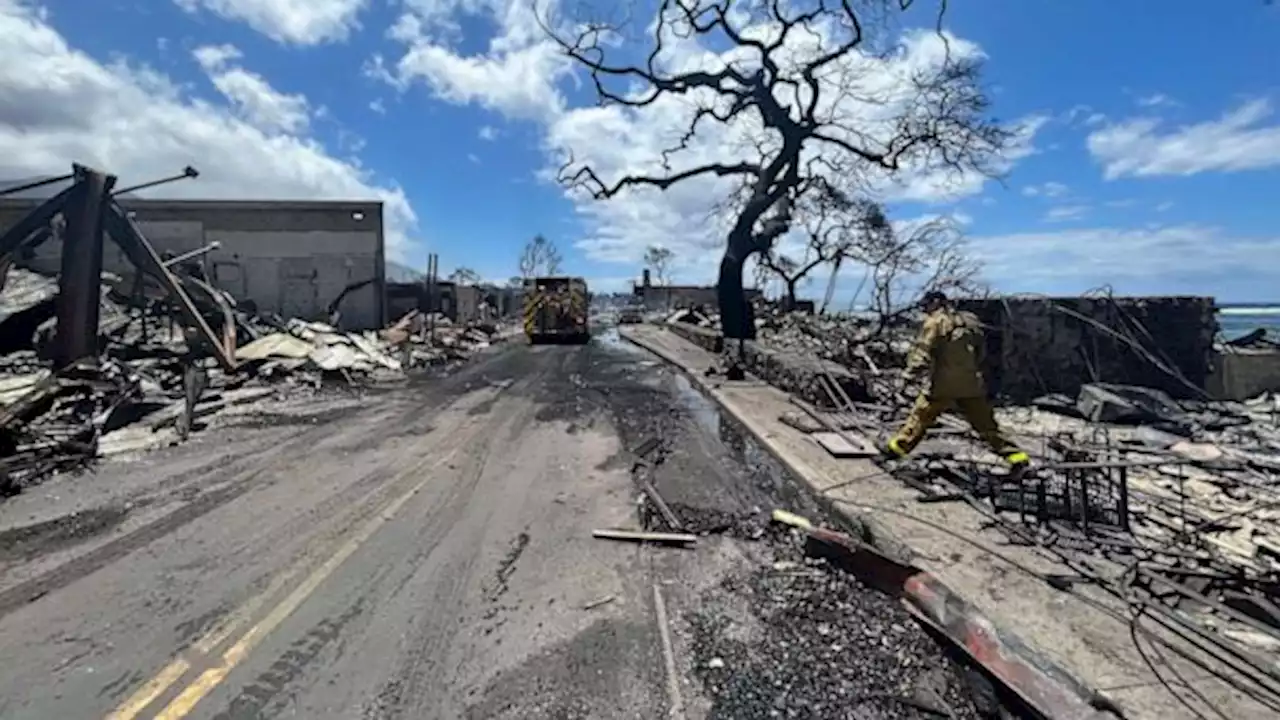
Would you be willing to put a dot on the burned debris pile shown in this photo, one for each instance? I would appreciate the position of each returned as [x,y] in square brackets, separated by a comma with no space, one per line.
[1145,487]
[93,364]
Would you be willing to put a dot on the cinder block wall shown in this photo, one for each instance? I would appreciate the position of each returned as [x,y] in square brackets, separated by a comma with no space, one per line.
[291,258]
[1039,345]
[467,309]
[1243,373]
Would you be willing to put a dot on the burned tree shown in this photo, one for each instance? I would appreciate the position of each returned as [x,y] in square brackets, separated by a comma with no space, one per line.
[658,259]
[539,257]
[797,78]
[464,276]
[901,264]
[834,226]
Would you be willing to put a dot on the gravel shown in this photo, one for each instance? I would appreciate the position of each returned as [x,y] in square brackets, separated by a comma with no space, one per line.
[823,646]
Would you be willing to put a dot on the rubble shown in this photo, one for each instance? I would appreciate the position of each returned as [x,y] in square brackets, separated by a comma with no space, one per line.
[1144,486]
[1171,505]
[57,421]
[93,364]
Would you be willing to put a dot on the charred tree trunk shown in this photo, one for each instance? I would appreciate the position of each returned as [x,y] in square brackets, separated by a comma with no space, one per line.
[736,319]
[789,302]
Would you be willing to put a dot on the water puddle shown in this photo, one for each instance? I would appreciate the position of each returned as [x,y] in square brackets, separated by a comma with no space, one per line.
[768,477]
[609,338]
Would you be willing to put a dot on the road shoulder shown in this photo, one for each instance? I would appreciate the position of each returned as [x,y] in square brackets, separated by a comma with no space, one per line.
[1089,636]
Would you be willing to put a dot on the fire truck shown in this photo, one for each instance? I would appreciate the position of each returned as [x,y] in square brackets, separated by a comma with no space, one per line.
[555,310]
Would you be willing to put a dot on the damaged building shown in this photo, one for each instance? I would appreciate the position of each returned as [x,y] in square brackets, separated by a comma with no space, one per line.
[1038,346]
[117,345]
[459,303]
[290,258]
[675,297]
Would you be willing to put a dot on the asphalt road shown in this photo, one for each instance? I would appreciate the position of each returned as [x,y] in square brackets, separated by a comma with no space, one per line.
[426,552]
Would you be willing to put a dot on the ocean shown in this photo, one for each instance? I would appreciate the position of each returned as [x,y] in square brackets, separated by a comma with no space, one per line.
[1237,320]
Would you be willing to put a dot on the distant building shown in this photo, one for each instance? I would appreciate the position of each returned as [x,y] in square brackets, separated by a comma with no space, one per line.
[476,303]
[675,297]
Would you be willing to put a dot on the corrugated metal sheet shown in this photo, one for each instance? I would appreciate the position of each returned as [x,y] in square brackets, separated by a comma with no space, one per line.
[24,290]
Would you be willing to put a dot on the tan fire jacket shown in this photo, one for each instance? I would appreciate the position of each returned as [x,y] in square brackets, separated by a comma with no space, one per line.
[950,348]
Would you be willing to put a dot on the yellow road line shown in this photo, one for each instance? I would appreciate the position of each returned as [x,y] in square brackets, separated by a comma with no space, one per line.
[209,679]
[173,672]
[154,688]
[206,644]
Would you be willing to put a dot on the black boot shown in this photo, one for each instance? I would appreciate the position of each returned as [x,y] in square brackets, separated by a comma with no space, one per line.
[1018,471]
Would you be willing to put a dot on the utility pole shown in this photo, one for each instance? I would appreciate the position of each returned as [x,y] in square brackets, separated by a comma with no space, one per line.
[433,303]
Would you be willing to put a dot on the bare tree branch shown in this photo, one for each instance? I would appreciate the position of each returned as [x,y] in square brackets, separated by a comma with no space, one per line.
[834,226]
[901,267]
[658,259]
[464,276]
[539,257]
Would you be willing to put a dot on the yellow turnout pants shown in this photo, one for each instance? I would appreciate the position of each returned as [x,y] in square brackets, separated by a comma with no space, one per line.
[976,410]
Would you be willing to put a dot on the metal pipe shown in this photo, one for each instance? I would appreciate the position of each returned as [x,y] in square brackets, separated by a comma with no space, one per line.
[1227,610]
[187,172]
[145,259]
[432,296]
[193,254]
[1108,464]
[36,184]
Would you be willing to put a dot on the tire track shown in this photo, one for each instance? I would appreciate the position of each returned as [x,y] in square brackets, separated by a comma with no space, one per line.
[419,674]
[448,497]
[319,550]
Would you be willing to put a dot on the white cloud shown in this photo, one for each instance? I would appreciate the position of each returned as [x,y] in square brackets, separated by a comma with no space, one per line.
[215,56]
[488,132]
[1239,140]
[1164,206]
[251,95]
[517,75]
[58,106]
[1157,100]
[1065,213]
[1049,190]
[299,22]
[378,106]
[473,158]
[1116,255]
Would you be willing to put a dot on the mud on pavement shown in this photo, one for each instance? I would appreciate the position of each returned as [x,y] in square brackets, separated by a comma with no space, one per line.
[761,630]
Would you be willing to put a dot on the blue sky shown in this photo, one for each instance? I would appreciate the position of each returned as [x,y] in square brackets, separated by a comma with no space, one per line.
[1154,166]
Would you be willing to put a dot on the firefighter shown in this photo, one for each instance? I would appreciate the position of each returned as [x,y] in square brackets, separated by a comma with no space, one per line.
[949,352]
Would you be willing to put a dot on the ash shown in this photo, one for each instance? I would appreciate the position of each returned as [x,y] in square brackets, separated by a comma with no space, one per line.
[826,647]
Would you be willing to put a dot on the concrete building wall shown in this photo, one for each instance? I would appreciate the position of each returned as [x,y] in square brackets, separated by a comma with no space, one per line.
[290,258]
[467,307]
[1244,373]
[1037,346]
[677,297]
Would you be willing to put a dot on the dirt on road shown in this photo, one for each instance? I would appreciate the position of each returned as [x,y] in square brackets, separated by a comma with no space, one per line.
[427,552]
